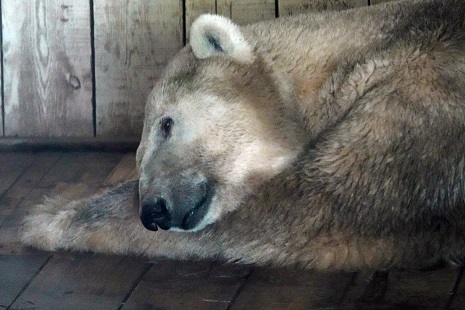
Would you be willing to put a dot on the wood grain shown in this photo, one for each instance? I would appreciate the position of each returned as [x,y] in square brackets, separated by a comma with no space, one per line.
[125,170]
[2,108]
[47,68]
[88,169]
[12,166]
[293,7]
[16,273]
[458,301]
[133,42]
[178,285]
[409,289]
[404,290]
[31,177]
[372,2]
[247,11]
[80,281]
[292,289]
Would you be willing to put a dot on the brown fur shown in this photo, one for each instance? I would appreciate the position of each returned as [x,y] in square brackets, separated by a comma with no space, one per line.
[367,108]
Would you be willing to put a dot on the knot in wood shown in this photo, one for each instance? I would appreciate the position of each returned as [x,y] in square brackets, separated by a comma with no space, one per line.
[74,81]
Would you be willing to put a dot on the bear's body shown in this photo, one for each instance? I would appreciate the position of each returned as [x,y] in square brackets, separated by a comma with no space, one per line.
[329,141]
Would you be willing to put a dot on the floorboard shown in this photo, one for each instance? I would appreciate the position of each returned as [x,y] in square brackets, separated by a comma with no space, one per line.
[407,289]
[82,281]
[43,162]
[458,301]
[179,285]
[124,170]
[292,289]
[16,273]
[414,288]
[89,169]
[12,166]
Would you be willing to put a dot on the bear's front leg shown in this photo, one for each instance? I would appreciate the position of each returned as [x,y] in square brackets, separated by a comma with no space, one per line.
[109,223]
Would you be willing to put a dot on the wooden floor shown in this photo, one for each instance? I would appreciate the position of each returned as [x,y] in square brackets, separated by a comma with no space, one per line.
[31,279]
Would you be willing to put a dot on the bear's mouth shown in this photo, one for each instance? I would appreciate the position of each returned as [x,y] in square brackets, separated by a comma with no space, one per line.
[197,214]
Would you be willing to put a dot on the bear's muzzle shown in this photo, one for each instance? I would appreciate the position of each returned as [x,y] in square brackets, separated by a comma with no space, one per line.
[185,209]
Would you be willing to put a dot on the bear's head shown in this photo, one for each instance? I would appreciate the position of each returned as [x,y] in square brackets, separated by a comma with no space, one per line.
[218,124]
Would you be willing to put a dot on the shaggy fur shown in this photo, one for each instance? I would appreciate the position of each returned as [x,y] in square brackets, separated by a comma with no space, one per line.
[338,144]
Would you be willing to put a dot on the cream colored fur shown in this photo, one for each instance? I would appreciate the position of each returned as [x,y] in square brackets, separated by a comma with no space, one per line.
[333,140]
[220,29]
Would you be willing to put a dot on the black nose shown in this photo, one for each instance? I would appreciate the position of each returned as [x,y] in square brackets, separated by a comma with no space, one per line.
[154,213]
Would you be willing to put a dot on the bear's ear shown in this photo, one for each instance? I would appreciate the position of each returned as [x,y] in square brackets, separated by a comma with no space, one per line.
[213,35]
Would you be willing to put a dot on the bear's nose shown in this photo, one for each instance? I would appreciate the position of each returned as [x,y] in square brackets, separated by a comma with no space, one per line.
[153,213]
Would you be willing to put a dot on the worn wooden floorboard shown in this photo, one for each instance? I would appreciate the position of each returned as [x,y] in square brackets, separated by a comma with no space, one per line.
[406,289]
[458,301]
[292,289]
[43,162]
[16,271]
[82,281]
[31,279]
[12,166]
[73,175]
[187,285]
[124,170]
[430,289]
[89,169]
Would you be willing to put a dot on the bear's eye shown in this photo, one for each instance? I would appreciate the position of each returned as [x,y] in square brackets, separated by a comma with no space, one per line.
[166,125]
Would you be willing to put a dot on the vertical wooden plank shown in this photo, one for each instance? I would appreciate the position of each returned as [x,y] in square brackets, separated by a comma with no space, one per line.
[2,107]
[133,42]
[47,68]
[293,7]
[194,8]
[247,11]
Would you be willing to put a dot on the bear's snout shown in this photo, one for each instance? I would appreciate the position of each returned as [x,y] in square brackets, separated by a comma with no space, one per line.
[154,214]
[183,206]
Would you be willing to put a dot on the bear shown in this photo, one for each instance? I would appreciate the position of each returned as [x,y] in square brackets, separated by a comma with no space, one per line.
[331,141]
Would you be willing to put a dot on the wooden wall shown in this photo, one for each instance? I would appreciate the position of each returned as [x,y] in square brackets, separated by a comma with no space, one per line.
[83,68]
